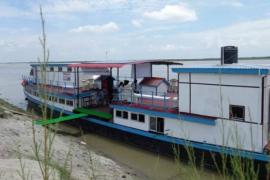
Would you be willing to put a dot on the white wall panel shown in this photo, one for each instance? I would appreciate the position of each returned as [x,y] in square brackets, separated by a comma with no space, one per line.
[225,133]
[184,97]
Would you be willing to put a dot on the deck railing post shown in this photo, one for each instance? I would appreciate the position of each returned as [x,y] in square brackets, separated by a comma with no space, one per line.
[164,105]
[152,99]
[131,96]
[141,98]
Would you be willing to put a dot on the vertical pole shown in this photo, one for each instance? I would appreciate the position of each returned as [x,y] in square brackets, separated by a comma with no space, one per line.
[110,71]
[164,105]
[152,99]
[141,98]
[135,77]
[151,69]
[131,95]
[78,86]
[117,76]
[36,76]
[168,73]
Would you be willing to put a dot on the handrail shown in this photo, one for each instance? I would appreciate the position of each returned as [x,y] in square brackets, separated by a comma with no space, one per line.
[50,82]
[165,101]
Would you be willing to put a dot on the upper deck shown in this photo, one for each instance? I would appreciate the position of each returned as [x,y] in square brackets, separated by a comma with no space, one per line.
[88,81]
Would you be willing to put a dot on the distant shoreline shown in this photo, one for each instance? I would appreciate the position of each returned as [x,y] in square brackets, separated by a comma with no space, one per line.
[173,59]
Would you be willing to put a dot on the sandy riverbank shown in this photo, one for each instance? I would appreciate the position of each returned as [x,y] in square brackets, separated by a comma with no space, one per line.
[16,137]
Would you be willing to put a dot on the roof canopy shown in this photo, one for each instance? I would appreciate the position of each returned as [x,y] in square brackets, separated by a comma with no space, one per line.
[164,62]
[115,64]
[97,65]
[157,62]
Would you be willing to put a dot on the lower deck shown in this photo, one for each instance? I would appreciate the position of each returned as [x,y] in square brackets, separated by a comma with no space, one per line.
[174,127]
[96,123]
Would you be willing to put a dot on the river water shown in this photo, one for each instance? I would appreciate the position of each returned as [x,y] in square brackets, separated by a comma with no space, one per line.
[147,165]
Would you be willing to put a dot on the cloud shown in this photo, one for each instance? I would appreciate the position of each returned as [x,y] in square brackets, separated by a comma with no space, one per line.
[252,38]
[11,12]
[169,47]
[180,13]
[105,28]
[67,6]
[136,23]
[233,3]
[250,33]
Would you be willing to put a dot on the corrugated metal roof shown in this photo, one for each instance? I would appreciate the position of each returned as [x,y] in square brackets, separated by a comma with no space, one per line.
[110,64]
[152,81]
[98,65]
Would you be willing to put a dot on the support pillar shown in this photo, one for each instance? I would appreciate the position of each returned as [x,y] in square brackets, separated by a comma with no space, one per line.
[168,73]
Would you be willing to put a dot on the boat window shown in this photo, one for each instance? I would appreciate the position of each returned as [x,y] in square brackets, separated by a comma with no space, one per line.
[141,118]
[32,72]
[237,112]
[134,116]
[69,69]
[51,69]
[125,114]
[153,126]
[122,114]
[54,99]
[157,124]
[118,113]
[60,69]
[69,103]
[61,101]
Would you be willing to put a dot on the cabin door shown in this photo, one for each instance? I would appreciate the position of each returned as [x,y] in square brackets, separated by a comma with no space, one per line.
[86,102]
[156,124]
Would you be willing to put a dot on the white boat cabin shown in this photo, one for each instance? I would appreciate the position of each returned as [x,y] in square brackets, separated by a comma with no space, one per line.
[225,105]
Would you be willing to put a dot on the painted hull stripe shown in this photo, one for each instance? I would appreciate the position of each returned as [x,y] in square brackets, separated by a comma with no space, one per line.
[194,119]
[253,71]
[224,85]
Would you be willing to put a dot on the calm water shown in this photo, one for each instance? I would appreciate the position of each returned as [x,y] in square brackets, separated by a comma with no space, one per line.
[147,165]
[10,83]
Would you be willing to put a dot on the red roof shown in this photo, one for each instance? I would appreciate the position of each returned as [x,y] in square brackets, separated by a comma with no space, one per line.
[153,81]
[98,65]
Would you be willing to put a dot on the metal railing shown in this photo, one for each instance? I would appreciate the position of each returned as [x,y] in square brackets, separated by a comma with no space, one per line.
[162,100]
[49,82]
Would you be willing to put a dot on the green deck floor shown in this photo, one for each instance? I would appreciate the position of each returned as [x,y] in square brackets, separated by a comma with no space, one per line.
[60,119]
[94,112]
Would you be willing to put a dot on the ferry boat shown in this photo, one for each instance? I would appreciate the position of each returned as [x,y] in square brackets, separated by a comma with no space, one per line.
[221,108]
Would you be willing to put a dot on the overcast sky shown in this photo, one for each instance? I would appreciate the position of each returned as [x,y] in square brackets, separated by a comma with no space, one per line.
[133,29]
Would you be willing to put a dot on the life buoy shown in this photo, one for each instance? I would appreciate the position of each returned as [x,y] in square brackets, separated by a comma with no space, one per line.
[24,82]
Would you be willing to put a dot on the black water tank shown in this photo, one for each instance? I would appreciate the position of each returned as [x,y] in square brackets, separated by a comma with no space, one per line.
[229,54]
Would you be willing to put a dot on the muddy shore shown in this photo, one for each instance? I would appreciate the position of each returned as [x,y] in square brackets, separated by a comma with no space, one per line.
[16,142]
